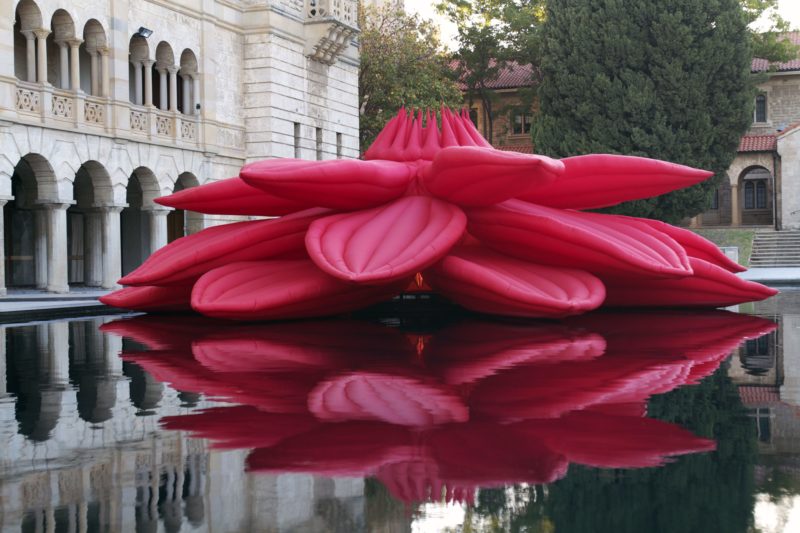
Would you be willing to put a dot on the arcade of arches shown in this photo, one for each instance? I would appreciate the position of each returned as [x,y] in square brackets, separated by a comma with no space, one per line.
[54,245]
[746,200]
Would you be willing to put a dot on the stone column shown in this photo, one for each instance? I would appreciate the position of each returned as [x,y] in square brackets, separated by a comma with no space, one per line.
[173,88]
[148,82]
[112,246]
[63,52]
[187,95]
[104,73]
[30,42]
[40,248]
[75,64]
[2,253]
[41,54]
[93,249]
[95,73]
[3,390]
[56,228]
[195,93]
[158,227]
[162,89]
[736,213]
[137,71]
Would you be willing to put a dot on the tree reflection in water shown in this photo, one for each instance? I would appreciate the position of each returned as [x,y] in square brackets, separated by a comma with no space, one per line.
[484,405]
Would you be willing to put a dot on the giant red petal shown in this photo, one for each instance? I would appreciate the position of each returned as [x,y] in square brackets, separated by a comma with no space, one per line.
[186,259]
[231,196]
[475,176]
[489,282]
[338,184]
[385,243]
[709,286]
[601,180]
[150,298]
[694,244]
[261,290]
[394,399]
[589,241]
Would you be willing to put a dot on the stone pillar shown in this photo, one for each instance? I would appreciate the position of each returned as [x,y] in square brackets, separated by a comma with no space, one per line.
[104,73]
[41,54]
[112,246]
[148,81]
[158,227]
[736,213]
[187,95]
[93,249]
[2,255]
[3,390]
[95,73]
[137,72]
[162,89]
[75,64]
[195,94]
[58,347]
[40,248]
[63,52]
[30,42]
[55,216]
[173,88]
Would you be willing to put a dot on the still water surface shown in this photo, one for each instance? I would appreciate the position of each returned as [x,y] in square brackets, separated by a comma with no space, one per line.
[622,422]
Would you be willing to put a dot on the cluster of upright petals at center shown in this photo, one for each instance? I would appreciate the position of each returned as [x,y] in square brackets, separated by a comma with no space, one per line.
[497,232]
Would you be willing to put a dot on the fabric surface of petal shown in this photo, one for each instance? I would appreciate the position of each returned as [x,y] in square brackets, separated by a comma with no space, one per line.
[486,281]
[188,258]
[602,180]
[150,298]
[589,241]
[231,196]
[386,243]
[709,286]
[469,175]
[337,184]
[260,290]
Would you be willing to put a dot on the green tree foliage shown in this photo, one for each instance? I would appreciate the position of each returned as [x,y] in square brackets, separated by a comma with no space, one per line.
[401,64]
[490,34]
[768,43]
[667,79]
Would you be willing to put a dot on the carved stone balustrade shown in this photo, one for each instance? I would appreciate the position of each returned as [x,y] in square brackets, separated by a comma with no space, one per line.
[330,26]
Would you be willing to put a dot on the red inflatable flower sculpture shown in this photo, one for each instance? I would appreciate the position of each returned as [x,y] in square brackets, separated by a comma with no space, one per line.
[497,232]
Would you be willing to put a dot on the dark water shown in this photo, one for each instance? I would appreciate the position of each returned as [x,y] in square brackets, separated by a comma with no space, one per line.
[626,422]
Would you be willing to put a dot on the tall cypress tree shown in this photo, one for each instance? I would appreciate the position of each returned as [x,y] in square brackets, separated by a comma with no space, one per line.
[667,79]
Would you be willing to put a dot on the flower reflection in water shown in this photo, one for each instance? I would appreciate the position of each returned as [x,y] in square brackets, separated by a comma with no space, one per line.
[476,404]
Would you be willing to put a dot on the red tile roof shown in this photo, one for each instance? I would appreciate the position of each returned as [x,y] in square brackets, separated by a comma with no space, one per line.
[762,65]
[521,148]
[759,394]
[511,76]
[758,143]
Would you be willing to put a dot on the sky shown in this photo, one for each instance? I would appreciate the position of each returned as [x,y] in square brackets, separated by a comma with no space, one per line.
[789,10]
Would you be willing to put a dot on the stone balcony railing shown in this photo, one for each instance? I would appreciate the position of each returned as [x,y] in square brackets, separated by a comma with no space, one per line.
[330,26]
[47,104]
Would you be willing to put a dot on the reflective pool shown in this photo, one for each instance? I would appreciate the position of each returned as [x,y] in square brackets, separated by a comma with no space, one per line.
[617,422]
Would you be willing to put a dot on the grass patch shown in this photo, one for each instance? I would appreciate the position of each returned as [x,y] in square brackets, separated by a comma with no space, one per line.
[741,238]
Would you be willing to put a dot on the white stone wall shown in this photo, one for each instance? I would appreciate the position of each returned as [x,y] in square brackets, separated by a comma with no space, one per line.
[260,96]
[789,151]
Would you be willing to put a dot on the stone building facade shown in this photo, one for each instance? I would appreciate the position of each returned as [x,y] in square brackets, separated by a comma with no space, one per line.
[106,105]
[763,185]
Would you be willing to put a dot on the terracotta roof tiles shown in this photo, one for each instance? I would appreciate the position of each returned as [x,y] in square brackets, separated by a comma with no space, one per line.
[512,76]
[758,143]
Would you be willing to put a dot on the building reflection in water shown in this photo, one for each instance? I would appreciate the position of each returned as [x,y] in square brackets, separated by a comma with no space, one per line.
[320,406]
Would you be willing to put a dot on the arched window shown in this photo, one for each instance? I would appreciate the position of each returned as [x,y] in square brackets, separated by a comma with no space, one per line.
[761,194]
[749,195]
[761,108]
[715,199]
